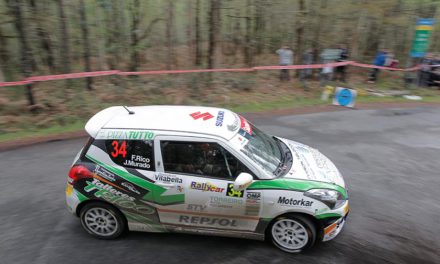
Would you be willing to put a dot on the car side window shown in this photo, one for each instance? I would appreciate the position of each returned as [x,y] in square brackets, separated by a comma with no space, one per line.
[200,158]
[138,154]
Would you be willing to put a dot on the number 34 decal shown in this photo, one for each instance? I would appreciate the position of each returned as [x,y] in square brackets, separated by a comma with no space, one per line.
[119,150]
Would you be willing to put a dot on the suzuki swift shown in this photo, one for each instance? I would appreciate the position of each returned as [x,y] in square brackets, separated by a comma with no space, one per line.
[202,170]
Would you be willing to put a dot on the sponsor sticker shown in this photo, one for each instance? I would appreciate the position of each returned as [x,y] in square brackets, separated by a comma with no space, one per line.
[168,178]
[207,221]
[233,193]
[196,207]
[138,161]
[244,124]
[253,202]
[125,134]
[224,202]
[220,117]
[205,116]
[130,187]
[206,187]
[294,202]
[100,171]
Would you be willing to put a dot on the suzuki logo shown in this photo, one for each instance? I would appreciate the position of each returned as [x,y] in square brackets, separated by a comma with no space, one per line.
[205,116]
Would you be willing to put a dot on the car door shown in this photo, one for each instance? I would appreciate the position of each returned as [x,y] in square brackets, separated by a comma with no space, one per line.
[207,170]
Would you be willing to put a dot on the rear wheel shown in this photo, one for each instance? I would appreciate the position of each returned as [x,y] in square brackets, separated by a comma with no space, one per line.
[293,233]
[102,220]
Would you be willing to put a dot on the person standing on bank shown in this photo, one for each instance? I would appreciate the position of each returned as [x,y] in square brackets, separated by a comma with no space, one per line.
[340,70]
[286,58]
[379,60]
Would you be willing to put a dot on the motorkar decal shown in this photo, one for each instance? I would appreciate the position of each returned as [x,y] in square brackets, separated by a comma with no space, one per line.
[125,134]
[294,202]
[206,187]
[205,116]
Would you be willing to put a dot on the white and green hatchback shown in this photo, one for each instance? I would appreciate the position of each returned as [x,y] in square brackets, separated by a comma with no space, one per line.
[202,170]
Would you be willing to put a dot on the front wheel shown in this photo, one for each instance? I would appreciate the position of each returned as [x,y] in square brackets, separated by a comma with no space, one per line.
[293,233]
[102,221]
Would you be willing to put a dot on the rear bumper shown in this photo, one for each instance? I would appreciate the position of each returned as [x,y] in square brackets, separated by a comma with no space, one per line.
[72,200]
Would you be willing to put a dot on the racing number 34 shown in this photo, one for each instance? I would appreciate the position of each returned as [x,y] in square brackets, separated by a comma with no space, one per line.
[119,150]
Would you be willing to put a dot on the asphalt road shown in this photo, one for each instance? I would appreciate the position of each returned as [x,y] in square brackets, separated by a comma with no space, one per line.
[389,158]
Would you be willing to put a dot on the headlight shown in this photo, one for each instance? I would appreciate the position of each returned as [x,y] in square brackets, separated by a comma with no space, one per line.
[333,199]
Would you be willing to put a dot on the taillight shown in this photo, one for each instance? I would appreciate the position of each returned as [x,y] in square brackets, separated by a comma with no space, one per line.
[78,172]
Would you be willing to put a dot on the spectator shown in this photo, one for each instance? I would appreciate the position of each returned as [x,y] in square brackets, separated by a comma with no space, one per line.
[340,70]
[307,59]
[286,58]
[425,70]
[379,60]
[326,73]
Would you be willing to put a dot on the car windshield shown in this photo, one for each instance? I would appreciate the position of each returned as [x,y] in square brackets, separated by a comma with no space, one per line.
[262,149]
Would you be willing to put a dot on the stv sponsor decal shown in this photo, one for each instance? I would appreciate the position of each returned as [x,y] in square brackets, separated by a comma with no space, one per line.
[286,201]
[196,207]
[207,221]
[206,187]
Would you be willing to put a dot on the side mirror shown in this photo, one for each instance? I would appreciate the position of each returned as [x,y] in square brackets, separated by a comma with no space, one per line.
[242,181]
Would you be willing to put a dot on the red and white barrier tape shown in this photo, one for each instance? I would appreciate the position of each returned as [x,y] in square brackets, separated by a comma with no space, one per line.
[122,73]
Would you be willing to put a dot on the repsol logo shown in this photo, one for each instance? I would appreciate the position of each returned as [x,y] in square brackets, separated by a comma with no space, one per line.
[291,201]
[210,221]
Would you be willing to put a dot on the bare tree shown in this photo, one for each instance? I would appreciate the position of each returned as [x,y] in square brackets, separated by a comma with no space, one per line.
[86,42]
[214,33]
[27,59]
[65,40]
[198,57]
[135,20]
[169,35]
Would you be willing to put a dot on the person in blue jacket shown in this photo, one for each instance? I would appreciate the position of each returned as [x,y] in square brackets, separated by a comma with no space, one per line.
[379,60]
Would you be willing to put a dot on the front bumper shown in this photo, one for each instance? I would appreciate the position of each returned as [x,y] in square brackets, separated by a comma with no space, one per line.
[333,229]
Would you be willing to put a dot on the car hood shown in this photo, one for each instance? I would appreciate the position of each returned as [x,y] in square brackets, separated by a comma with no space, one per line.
[310,164]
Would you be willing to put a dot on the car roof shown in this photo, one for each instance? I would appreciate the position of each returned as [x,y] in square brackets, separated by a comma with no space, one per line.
[190,119]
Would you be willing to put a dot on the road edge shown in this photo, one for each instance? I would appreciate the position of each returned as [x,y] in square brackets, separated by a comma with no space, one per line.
[19,143]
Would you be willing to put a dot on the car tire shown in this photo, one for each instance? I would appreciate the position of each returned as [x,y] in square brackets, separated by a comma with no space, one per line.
[292,233]
[102,220]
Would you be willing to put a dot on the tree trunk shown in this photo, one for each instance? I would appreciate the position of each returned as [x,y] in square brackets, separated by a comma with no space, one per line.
[189,30]
[214,33]
[43,38]
[300,33]
[86,42]
[135,19]
[65,40]
[169,35]
[27,59]
[248,56]
[198,57]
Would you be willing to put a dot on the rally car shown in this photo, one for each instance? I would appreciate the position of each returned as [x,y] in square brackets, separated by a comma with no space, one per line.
[202,170]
